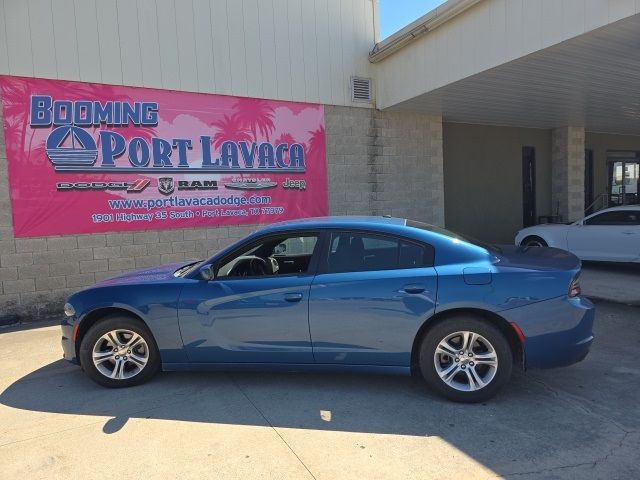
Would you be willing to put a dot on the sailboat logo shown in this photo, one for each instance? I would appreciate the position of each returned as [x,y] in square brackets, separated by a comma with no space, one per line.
[71,145]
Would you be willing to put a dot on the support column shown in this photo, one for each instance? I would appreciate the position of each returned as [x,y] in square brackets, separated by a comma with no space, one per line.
[567,173]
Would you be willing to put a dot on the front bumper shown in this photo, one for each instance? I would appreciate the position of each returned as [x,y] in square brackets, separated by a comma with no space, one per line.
[559,332]
[68,345]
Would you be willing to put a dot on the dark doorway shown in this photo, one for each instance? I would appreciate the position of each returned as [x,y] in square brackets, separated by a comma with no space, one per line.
[588,182]
[528,186]
[623,178]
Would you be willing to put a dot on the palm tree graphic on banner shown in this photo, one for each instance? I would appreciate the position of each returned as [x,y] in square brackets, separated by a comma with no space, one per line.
[256,116]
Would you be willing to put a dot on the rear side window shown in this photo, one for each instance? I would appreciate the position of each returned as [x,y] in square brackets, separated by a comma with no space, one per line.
[413,255]
[617,217]
[359,252]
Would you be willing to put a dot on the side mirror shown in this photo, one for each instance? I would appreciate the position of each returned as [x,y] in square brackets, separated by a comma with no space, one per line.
[281,248]
[207,272]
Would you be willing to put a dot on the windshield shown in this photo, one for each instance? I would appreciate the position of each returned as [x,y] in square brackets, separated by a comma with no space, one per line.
[448,233]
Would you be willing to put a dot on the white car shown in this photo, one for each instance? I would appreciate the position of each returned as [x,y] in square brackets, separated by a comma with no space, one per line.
[610,235]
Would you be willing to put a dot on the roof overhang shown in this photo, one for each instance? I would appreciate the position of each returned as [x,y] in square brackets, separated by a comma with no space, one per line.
[532,64]
[592,80]
[423,25]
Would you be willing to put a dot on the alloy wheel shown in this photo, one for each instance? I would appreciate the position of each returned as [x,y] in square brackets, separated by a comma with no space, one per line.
[466,361]
[120,354]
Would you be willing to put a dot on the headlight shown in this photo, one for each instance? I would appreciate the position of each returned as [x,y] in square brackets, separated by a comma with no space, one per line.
[69,311]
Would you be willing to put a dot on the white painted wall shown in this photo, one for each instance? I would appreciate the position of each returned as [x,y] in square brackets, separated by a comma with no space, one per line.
[303,50]
[489,34]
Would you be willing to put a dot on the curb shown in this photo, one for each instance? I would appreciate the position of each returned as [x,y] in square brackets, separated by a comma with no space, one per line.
[9,320]
[26,325]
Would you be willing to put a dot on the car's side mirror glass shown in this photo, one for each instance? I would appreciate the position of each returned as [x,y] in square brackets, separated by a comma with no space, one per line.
[207,272]
[281,248]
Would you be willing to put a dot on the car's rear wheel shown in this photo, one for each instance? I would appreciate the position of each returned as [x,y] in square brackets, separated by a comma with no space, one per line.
[119,351]
[534,241]
[466,359]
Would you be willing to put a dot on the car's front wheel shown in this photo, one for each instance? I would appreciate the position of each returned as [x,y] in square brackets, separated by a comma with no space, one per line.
[534,241]
[466,359]
[119,351]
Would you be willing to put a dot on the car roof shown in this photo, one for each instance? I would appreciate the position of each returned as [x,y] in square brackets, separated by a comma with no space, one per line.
[626,207]
[346,221]
[619,207]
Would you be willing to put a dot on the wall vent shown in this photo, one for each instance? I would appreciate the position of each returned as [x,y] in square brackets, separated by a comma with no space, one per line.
[360,89]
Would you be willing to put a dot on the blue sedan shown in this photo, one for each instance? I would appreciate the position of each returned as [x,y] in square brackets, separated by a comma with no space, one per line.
[360,294]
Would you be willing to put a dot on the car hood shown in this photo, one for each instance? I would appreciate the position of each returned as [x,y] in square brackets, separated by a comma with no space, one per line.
[536,258]
[147,275]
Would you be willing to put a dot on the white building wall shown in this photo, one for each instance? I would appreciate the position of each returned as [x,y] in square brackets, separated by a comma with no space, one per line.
[302,50]
[489,34]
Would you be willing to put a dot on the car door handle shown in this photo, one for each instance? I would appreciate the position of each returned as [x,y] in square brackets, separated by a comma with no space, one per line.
[628,232]
[414,289]
[293,297]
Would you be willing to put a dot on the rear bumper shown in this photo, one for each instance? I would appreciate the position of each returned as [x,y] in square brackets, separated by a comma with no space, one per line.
[559,332]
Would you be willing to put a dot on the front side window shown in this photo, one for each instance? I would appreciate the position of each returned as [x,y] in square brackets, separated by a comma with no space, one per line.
[618,217]
[357,252]
[297,246]
[276,255]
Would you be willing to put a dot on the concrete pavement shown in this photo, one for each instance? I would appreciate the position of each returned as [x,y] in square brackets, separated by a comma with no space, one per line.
[617,282]
[578,422]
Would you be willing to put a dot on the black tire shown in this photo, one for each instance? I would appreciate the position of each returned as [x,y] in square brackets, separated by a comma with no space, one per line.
[534,241]
[119,322]
[479,326]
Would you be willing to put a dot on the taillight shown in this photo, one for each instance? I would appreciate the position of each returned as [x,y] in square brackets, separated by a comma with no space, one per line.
[574,287]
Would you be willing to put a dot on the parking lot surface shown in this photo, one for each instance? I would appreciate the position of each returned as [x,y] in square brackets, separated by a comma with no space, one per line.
[578,422]
[619,282]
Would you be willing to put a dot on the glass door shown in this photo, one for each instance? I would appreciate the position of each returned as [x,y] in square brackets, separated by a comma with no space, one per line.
[528,186]
[624,178]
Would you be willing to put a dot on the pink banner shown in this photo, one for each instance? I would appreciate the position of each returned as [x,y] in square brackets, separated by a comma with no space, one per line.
[87,158]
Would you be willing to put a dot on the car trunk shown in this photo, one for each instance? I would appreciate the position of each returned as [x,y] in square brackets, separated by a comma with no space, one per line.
[537,258]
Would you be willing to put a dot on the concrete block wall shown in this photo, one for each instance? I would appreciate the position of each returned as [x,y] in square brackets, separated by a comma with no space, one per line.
[567,168]
[37,274]
[385,163]
[378,163]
